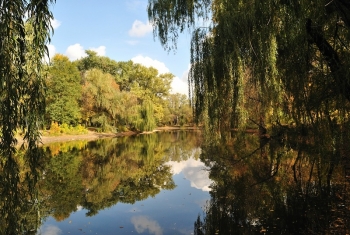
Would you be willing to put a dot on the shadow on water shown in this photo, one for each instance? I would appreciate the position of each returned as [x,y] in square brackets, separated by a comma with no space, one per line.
[295,183]
[61,177]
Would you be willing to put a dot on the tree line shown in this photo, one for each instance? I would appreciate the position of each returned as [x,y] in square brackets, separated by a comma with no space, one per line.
[96,91]
[258,62]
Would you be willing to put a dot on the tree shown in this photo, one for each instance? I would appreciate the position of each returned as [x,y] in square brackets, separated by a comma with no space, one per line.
[100,97]
[179,108]
[295,51]
[92,60]
[127,110]
[146,120]
[119,70]
[142,82]
[63,91]
[21,53]
[25,31]
[150,86]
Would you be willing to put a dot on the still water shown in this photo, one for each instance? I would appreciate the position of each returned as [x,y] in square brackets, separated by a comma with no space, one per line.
[147,184]
[170,183]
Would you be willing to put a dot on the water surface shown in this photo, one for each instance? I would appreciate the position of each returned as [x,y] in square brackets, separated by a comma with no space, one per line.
[170,183]
[147,184]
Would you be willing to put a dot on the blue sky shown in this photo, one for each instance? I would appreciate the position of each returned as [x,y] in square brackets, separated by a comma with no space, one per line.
[118,29]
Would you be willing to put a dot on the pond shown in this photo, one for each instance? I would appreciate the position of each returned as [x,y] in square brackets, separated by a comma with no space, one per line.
[170,183]
[147,184]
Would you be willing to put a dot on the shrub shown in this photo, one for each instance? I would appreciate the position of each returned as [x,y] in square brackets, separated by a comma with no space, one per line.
[55,129]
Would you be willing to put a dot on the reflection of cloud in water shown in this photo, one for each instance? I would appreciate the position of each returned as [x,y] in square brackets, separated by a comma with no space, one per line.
[50,230]
[177,167]
[143,223]
[199,177]
[195,171]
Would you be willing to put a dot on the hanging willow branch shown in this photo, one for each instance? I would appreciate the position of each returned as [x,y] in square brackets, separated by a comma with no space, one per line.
[262,49]
[22,49]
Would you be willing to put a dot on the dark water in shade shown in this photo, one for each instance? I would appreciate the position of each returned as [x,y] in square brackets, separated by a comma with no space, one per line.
[169,183]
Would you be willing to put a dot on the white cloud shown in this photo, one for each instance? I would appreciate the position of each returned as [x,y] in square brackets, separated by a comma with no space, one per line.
[180,85]
[101,50]
[75,52]
[52,52]
[55,23]
[50,230]
[140,29]
[149,62]
[142,223]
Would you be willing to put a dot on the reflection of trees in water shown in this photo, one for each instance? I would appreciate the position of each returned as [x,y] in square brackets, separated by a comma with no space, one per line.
[181,144]
[106,172]
[294,186]
[20,204]
[136,171]
[57,179]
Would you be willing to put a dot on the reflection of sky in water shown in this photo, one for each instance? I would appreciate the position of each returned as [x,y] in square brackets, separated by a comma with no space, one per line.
[171,212]
[195,171]
[50,230]
[143,223]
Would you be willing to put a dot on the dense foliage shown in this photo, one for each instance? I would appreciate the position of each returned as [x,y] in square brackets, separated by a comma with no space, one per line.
[24,29]
[96,91]
[24,33]
[63,91]
[264,62]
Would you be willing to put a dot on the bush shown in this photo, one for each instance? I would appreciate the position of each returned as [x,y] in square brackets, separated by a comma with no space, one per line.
[55,129]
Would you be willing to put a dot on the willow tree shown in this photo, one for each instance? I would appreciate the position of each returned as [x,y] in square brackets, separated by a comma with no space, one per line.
[21,53]
[261,61]
[24,33]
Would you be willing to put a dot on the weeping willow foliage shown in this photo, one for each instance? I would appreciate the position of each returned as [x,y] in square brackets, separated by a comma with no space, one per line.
[25,31]
[262,62]
[145,121]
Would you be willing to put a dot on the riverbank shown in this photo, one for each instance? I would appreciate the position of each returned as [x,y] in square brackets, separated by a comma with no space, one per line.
[91,135]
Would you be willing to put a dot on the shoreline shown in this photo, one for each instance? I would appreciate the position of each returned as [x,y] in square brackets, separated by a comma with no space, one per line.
[91,135]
